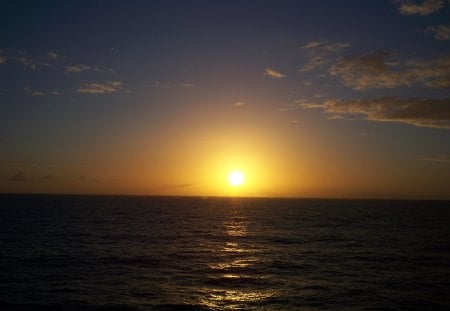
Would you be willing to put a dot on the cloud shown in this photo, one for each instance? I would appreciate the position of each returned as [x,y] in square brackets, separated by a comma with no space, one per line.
[171,85]
[425,8]
[312,44]
[273,73]
[314,63]
[374,71]
[49,60]
[295,104]
[53,56]
[437,159]
[30,62]
[30,92]
[239,104]
[308,105]
[422,112]
[101,88]
[19,176]
[440,32]
[326,46]
[80,68]
[27,62]
[320,53]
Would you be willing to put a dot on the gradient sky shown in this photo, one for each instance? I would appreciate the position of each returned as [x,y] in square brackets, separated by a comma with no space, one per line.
[307,98]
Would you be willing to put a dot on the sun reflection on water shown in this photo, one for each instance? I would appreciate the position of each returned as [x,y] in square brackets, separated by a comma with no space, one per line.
[235,299]
[237,281]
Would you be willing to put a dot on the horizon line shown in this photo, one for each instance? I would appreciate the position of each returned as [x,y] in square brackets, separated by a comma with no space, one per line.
[225,196]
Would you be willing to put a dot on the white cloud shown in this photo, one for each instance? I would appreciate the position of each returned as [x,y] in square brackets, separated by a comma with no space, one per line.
[434,113]
[440,32]
[426,7]
[100,88]
[273,73]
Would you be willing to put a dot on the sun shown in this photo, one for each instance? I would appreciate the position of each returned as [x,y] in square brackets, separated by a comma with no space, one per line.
[236,178]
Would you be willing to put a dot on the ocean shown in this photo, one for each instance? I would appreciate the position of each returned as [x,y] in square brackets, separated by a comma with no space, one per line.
[74,252]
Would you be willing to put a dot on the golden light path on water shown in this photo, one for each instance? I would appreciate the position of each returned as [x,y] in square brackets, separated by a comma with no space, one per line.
[239,259]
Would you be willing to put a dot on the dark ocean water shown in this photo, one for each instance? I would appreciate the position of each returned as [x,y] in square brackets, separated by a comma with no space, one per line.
[159,253]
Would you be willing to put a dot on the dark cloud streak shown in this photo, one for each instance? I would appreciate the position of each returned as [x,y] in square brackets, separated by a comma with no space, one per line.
[433,113]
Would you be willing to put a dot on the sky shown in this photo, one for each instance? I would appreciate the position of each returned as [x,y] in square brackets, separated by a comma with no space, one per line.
[312,98]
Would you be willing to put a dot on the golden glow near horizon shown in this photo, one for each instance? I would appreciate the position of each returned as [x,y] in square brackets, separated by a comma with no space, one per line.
[236,178]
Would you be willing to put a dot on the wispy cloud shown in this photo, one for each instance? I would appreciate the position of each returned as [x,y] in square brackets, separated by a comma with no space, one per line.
[295,104]
[80,68]
[50,59]
[315,63]
[437,159]
[426,7]
[434,113]
[312,44]
[53,56]
[273,73]
[326,46]
[440,32]
[320,52]
[30,92]
[239,104]
[100,88]
[375,71]
[35,62]
[171,85]
[30,62]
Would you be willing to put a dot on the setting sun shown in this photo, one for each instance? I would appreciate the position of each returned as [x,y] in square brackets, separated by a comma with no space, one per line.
[236,178]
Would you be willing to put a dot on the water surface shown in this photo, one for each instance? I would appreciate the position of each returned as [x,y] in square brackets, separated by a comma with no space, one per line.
[167,253]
